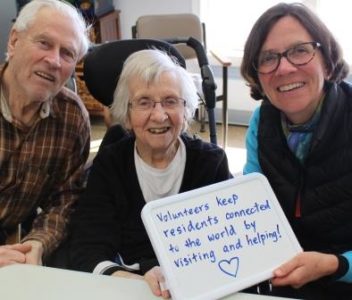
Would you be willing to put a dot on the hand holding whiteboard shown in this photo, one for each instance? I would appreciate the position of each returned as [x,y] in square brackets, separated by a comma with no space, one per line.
[219,239]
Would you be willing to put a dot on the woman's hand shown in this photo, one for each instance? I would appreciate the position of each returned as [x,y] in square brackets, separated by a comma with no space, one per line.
[156,280]
[305,267]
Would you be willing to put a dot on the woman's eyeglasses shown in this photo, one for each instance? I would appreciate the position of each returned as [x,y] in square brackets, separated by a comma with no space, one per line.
[147,104]
[298,55]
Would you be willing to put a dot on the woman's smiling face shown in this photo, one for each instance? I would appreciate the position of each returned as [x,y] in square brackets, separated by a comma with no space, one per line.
[295,90]
[158,129]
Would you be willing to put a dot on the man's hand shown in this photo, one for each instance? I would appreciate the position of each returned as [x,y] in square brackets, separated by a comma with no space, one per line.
[305,267]
[12,254]
[34,256]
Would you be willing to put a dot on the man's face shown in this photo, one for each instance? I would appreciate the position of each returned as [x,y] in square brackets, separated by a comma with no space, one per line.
[43,57]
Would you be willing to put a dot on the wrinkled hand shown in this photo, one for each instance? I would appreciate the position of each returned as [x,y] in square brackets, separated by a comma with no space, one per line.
[155,278]
[34,256]
[12,254]
[305,267]
[126,274]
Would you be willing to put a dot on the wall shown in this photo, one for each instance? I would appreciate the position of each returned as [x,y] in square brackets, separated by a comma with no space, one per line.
[7,13]
[240,104]
[132,9]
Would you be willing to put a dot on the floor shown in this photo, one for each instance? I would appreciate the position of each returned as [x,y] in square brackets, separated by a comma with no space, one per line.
[235,148]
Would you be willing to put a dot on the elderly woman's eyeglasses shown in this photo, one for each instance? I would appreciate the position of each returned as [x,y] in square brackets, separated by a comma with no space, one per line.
[147,104]
[298,55]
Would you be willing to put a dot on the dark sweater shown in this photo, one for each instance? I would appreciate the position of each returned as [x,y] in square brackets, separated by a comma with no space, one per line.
[107,220]
[316,196]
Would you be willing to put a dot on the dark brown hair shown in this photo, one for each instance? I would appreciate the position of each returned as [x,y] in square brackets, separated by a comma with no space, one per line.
[331,51]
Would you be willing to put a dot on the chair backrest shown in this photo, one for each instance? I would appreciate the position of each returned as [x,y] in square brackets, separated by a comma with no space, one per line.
[20,4]
[164,27]
[103,64]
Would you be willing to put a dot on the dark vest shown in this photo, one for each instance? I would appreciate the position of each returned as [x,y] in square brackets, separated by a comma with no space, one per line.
[316,196]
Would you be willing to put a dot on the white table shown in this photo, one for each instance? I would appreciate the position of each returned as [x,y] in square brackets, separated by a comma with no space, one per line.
[25,282]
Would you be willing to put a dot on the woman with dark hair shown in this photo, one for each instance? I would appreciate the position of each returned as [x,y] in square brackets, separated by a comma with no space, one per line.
[300,138]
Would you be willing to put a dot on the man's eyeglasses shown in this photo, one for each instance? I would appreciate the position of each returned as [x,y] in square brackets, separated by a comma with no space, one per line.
[147,104]
[298,55]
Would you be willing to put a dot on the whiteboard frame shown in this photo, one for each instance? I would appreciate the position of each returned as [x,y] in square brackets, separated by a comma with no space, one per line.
[162,253]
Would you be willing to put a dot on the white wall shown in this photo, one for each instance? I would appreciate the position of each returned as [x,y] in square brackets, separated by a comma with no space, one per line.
[239,102]
[132,9]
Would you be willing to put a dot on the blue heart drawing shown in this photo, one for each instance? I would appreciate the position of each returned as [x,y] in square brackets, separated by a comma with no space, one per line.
[230,267]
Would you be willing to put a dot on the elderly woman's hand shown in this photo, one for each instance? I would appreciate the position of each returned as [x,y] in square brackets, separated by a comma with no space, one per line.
[305,267]
[126,274]
[155,280]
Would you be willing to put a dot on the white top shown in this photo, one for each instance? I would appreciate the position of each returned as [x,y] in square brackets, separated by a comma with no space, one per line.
[159,183]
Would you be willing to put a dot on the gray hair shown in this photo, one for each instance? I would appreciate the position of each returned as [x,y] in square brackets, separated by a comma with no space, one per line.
[29,12]
[148,65]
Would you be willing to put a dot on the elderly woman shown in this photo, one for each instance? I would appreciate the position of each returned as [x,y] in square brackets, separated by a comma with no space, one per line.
[300,139]
[154,100]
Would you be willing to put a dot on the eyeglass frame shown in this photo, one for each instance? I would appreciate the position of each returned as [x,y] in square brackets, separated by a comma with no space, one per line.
[162,101]
[279,55]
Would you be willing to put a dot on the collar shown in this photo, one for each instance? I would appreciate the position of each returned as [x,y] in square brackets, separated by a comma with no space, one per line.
[4,106]
[309,126]
[45,109]
[44,112]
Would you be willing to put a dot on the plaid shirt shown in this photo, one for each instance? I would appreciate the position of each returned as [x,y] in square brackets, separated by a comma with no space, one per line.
[43,167]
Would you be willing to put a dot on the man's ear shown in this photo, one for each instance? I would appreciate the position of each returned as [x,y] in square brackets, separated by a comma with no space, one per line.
[11,44]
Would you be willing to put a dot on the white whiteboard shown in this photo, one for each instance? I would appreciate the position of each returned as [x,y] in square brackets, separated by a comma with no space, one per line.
[219,239]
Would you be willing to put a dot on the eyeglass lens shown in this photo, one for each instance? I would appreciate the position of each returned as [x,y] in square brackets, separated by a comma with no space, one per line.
[144,104]
[298,55]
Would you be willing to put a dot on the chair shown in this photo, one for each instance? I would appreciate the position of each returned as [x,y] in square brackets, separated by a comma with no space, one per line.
[103,65]
[176,29]
[20,4]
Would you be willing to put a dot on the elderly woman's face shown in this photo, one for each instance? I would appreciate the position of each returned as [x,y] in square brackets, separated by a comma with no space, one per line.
[295,90]
[158,127]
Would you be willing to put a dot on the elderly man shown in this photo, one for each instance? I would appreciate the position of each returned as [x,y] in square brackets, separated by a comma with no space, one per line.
[44,130]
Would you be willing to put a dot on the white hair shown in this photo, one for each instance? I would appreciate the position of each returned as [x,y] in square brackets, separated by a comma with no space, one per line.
[148,65]
[29,13]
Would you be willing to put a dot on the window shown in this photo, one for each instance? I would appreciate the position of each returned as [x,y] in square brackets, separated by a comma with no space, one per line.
[228,23]
[337,17]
